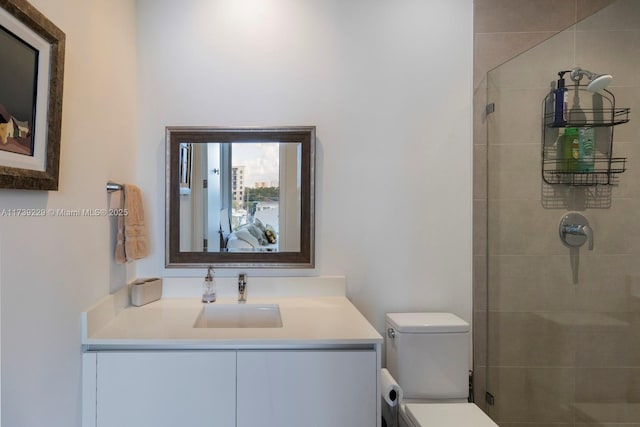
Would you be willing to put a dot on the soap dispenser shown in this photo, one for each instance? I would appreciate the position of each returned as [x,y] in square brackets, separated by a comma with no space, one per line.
[561,101]
[209,287]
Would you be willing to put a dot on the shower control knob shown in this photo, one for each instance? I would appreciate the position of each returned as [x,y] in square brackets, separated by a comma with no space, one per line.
[575,231]
[391,333]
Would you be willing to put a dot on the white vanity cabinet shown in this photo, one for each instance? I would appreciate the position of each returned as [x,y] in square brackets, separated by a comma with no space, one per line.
[160,389]
[157,366]
[228,388]
[293,388]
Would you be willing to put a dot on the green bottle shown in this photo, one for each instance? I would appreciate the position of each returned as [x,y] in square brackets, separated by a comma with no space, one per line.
[571,149]
[586,155]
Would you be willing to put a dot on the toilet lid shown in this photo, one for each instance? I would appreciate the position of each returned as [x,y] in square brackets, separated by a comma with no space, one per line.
[418,323]
[447,414]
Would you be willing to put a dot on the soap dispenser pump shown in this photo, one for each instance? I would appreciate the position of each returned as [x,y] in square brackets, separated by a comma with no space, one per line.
[209,287]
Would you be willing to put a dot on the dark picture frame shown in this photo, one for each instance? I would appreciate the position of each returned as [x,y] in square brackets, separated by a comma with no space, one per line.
[177,135]
[30,140]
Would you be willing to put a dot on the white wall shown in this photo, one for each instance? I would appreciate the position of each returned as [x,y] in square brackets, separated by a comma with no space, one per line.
[388,85]
[52,268]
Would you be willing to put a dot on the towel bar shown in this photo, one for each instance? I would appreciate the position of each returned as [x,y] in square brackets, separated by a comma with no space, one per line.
[112,186]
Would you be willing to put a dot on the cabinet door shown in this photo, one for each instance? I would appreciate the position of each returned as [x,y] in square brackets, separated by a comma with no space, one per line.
[166,389]
[307,388]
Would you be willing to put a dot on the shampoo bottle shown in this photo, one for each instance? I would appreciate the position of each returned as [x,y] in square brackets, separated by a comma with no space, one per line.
[560,102]
[571,149]
[586,149]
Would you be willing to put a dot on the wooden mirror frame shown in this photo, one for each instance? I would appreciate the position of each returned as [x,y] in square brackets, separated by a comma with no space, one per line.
[174,258]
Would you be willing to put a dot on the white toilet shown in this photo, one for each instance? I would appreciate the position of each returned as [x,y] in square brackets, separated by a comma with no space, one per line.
[427,354]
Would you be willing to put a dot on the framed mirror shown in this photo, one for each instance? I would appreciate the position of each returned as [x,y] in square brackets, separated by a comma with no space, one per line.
[240,197]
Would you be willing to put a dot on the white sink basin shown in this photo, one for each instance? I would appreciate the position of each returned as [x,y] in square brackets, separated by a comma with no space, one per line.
[239,316]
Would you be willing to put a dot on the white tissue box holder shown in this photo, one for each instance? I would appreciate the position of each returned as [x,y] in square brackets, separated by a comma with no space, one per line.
[144,291]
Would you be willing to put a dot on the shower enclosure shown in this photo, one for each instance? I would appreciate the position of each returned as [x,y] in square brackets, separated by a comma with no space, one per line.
[562,324]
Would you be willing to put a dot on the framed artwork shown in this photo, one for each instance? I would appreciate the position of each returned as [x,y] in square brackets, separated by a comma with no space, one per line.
[31,82]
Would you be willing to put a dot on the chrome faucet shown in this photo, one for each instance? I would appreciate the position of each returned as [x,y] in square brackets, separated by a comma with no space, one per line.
[242,287]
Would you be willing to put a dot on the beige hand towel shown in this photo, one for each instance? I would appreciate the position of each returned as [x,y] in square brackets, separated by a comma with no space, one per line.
[132,242]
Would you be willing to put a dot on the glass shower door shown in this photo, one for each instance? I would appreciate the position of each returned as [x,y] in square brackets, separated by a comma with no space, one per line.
[563,325]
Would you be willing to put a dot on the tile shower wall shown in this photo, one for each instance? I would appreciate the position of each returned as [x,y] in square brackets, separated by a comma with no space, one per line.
[502,30]
[561,352]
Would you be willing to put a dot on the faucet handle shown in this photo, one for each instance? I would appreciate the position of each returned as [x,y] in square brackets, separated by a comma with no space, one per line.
[575,231]
[588,232]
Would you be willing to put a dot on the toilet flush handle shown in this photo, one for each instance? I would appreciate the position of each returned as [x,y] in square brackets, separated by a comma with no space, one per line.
[391,333]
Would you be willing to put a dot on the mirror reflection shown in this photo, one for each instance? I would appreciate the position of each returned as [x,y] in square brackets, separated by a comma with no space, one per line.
[240,197]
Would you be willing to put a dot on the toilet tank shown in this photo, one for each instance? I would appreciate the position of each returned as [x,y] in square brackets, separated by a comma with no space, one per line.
[428,354]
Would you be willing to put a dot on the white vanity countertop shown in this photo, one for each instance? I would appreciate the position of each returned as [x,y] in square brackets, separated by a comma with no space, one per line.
[307,321]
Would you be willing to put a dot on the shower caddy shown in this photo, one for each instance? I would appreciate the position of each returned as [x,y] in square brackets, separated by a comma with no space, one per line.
[603,118]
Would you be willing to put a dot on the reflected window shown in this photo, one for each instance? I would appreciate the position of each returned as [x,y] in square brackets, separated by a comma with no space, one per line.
[249,199]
